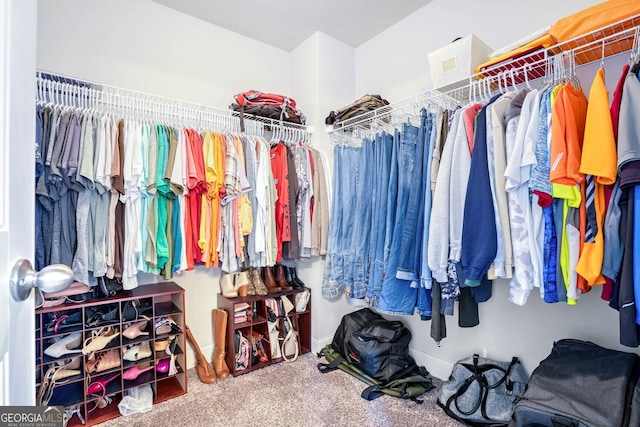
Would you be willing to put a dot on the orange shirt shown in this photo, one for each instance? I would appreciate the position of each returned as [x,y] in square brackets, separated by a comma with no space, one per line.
[599,158]
[567,134]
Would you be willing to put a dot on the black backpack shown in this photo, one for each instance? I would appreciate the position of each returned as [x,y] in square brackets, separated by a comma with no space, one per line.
[377,346]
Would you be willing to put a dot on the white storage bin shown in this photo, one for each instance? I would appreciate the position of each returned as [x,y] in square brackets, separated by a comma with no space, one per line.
[457,60]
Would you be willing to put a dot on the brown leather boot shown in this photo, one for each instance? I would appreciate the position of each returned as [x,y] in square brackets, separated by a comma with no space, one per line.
[269,281]
[219,346]
[280,279]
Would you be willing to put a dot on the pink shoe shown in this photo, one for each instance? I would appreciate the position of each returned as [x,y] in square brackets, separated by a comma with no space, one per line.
[136,329]
[134,372]
[163,366]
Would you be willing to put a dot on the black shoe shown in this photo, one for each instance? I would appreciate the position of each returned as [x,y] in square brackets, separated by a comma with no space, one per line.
[290,278]
[296,279]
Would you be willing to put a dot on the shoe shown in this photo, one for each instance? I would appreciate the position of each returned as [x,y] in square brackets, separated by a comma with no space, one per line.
[219,349]
[161,345]
[294,275]
[66,345]
[103,360]
[280,279]
[135,309]
[100,386]
[269,280]
[258,284]
[60,321]
[226,285]
[134,372]
[97,316]
[65,368]
[288,276]
[137,352]
[99,339]
[136,329]
[166,325]
[163,366]
[242,283]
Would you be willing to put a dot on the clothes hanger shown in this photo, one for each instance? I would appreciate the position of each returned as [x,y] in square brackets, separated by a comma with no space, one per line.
[526,77]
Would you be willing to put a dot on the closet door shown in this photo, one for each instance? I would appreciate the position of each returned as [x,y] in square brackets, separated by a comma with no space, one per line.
[18,20]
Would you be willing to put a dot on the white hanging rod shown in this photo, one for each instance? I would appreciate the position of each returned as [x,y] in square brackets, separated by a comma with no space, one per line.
[74,92]
[408,107]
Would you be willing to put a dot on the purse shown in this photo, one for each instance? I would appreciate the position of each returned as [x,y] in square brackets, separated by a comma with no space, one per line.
[109,287]
[290,348]
[482,391]
[242,351]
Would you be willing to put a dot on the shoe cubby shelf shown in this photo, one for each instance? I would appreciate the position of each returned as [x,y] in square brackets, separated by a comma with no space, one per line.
[128,340]
[249,316]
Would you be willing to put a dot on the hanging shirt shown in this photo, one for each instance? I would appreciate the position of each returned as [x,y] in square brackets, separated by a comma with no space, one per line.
[598,160]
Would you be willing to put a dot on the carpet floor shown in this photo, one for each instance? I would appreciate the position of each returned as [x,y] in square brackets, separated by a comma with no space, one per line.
[287,394]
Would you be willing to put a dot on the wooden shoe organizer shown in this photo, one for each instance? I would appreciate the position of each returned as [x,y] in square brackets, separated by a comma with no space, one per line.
[157,302]
[248,315]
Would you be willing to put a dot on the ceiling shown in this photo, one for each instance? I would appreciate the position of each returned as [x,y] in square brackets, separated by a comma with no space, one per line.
[287,23]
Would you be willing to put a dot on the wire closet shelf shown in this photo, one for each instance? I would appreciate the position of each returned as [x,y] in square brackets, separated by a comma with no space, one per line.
[614,39]
[71,92]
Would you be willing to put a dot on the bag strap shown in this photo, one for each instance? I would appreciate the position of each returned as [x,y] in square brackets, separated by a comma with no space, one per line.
[478,376]
[400,386]
[331,366]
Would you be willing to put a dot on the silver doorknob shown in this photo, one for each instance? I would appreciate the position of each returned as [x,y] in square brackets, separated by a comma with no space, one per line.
[52,278]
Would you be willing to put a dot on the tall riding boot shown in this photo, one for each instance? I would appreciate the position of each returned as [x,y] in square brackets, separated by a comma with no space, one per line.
[226,285]
[269,281]
[220,334]
[280,279]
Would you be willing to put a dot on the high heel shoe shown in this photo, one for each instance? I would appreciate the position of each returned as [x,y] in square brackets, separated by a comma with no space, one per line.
[66,320]
[242,283]
[65,368]
[99,339]
[137,352]
[136,329]
[226,285]
[163,366]
[166,325]
[100,386]
[134,372]
[66,345]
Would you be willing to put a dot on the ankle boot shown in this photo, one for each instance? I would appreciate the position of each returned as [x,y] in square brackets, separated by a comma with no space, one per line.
[288,276]
[269,280]
[219,346]
[294,274]
[242,283]
[280,279]
[257,283]
[226,285]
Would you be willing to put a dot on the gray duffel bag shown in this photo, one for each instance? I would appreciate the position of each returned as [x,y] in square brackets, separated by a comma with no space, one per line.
[482,392]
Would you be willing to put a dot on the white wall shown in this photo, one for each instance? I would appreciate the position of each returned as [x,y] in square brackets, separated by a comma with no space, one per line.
[323,77]
[143,46]
[394,64]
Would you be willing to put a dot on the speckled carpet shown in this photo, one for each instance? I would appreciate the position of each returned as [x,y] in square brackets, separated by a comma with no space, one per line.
[291,395]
